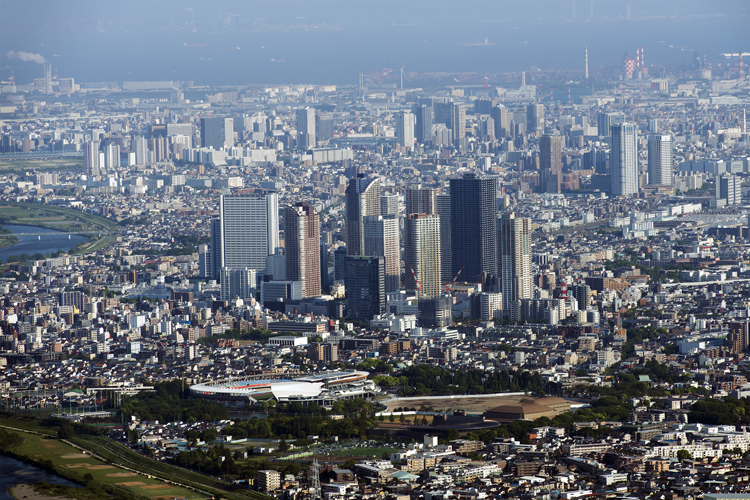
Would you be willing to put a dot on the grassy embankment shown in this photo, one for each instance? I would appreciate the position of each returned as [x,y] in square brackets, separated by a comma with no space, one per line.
[116,467]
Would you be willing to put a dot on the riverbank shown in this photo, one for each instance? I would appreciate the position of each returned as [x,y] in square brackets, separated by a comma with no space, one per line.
[33,242]
[30,492]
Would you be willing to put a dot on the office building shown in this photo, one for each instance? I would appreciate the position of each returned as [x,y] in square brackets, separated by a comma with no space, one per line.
[604,122]
[248,230]
[217,133]
[306,128]
[276,266]
[473,231]
[362,199]
[458,122]
[660,160]
[422,254]
[502,121]
[405,130]
[365,287]
[487,129]
[421,201]
[423,126]
[623,160]
[514,237]
[443,210]
[582,294]
[728,188]
[302,245]
[535,119]
[324,127]
[237,283]
[381,239]
[550,163]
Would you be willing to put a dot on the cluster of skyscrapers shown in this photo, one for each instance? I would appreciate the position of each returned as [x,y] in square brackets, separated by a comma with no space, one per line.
[445,236]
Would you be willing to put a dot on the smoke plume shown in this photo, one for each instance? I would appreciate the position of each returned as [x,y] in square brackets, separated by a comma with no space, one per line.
[27,56]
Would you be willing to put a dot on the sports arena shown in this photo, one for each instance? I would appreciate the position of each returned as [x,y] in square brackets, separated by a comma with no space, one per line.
[321,388]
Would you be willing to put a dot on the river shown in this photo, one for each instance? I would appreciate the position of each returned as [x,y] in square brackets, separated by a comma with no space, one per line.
[46,243]
[15,472]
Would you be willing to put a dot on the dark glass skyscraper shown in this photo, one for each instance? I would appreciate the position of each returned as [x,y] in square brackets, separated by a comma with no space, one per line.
[365,287]
[473,231]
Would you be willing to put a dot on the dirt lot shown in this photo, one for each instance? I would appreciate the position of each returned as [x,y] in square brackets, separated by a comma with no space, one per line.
[472,404]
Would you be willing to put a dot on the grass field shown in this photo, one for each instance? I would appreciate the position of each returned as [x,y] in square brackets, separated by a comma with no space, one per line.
[46,165]
[51,217]
[364,452]
[71,459]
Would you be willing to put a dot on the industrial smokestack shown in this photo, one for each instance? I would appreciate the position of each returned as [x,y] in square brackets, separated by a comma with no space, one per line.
[587,63]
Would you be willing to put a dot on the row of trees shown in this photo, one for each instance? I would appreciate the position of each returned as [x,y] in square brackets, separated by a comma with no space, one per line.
[422,380]
[296,421]
[168,404]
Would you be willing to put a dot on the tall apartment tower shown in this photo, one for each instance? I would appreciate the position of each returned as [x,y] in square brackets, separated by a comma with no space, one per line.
[302,245]
[362,199]
[141,150]
[405,129]
[249,230]
[365,287]
[112,156]
[660,160]
[458,122]
[423,128]
[91,158]
[550,162]
[502,121]
[535,119]
[421,201]
[381,239]
[473,227]
[514,236]
[623,160]
[389,205]
[306,128]
[422,254]
[443,204]
[217,133]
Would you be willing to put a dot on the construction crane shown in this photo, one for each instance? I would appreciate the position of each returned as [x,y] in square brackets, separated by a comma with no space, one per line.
[449,285]
[419,283]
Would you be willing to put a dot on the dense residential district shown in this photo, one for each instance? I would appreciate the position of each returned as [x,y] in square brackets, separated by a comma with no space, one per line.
[375,292]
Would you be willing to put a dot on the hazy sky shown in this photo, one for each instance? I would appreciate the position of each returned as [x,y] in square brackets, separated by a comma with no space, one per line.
[331,41]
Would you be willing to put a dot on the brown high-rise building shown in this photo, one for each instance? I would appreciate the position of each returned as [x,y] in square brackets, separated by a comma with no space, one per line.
[550,162]
[302,230]
[421,201]
[739,336]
